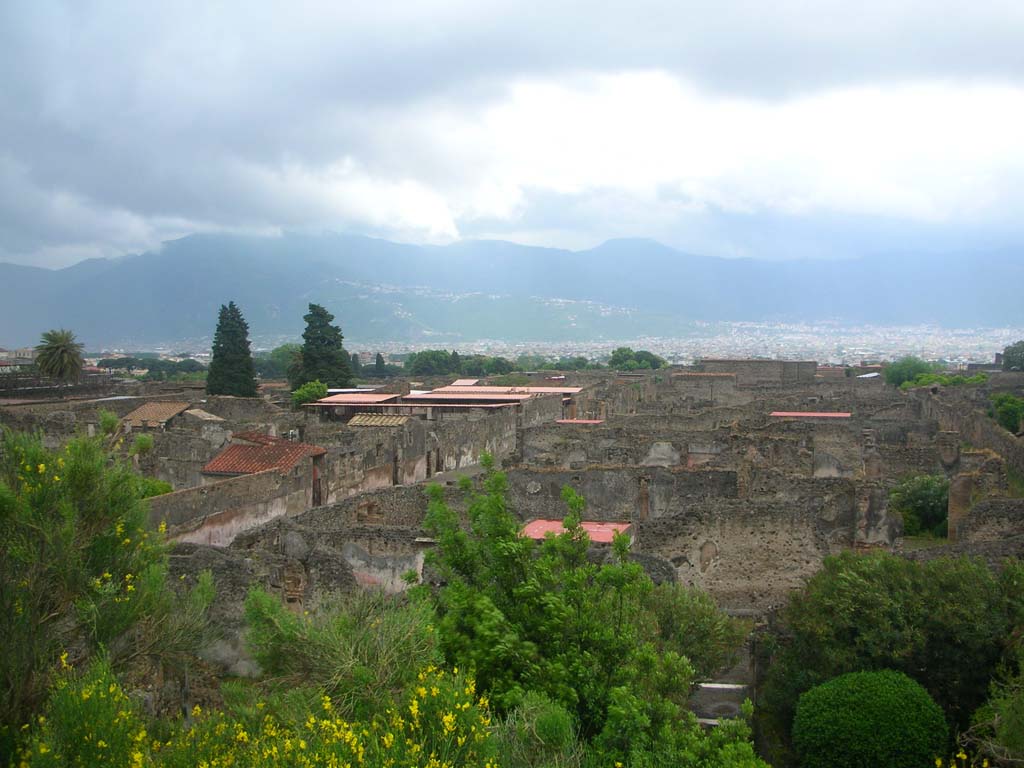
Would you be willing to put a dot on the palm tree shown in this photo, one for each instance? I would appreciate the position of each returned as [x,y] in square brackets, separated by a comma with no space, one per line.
[59,356]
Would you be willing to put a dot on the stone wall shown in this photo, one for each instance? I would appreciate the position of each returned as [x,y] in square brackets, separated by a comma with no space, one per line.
[992,520]
[965,413]
[216,513]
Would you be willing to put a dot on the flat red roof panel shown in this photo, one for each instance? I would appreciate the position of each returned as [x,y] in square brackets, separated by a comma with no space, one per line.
[810,415]
[513,390]
[357,398]
[600,533]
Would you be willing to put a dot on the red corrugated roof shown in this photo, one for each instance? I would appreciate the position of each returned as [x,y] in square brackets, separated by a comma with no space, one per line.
[267,453]
[810,415]
[456,396]
[356,398]
[599,533]
[579,421]
[512,390]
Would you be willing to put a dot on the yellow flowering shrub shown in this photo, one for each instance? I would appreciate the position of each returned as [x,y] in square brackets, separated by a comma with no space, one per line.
[87,721]
[90,721]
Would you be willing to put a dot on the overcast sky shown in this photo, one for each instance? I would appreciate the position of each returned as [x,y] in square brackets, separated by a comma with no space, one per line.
[776,130]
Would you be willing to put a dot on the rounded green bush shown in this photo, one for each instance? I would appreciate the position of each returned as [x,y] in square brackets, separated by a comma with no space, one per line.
[868,718]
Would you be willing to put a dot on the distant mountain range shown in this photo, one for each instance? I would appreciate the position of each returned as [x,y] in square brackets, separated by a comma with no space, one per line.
[381,290]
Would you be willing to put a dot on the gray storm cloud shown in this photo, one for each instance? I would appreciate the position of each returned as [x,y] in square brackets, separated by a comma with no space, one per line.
[127,124]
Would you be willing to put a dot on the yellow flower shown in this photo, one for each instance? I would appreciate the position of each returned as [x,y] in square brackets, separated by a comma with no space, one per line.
[101,744]
[64,661]
[448,721]
[162,527]
[414,708]
[42,468]
[197,711]
[56,478]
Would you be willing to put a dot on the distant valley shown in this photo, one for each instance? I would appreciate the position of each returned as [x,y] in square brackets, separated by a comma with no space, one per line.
[380,290]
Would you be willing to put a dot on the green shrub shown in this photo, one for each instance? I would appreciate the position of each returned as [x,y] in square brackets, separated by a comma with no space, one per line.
[923,502]
[539,732]
[309,392]
[1008,410]
[362,650]
[142,445]
[867,719]
[87,721]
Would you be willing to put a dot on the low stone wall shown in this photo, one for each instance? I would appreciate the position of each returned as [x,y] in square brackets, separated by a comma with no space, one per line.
[975,427]
[617,493]
[216,513]
[992,520]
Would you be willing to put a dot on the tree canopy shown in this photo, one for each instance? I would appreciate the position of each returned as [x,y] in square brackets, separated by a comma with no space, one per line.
[626,359]
[231,368]
[323,356]
[923,501]
[59,356]
[597,639]
[1013,357]
[906,369]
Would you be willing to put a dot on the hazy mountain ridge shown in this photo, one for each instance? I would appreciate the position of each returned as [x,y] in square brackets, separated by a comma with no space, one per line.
[487,289]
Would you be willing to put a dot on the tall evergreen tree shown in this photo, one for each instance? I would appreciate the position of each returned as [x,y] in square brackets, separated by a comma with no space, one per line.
[323,356]
[379,367]
[357,366]
[231,369]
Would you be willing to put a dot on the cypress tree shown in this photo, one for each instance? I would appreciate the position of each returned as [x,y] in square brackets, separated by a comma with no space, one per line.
[378,365]
[357,366]
[231,369]
[323,356]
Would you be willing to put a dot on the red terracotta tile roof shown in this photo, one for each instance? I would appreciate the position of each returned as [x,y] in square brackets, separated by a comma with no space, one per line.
[259,453]
[599,533]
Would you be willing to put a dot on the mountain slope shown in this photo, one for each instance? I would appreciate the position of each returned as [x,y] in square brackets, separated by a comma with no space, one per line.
[487,289]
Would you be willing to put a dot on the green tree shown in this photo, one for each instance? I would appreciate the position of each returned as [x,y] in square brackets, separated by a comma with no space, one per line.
[59,356]
[80,570]
[323,356]
[545,618]
[356,365]
[906,369]
[309,392]
[1008,410]
[1013,357]
[943,623]
[379,367]
[867,719]
[923,502]
[231,368]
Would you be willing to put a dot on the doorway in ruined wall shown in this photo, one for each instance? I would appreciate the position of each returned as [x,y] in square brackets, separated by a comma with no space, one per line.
[317,491]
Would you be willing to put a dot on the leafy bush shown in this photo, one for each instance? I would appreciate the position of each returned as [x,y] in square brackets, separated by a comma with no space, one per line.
[943,380]
[309,392]
[543,618]
[539,733]
[868,718]
[1008,410]
[80,569]
[92,722]
[689,623]
[142,445]
[943,622]
[87,721]
[150,486]
[906,369]
[362,650]
[923,502]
